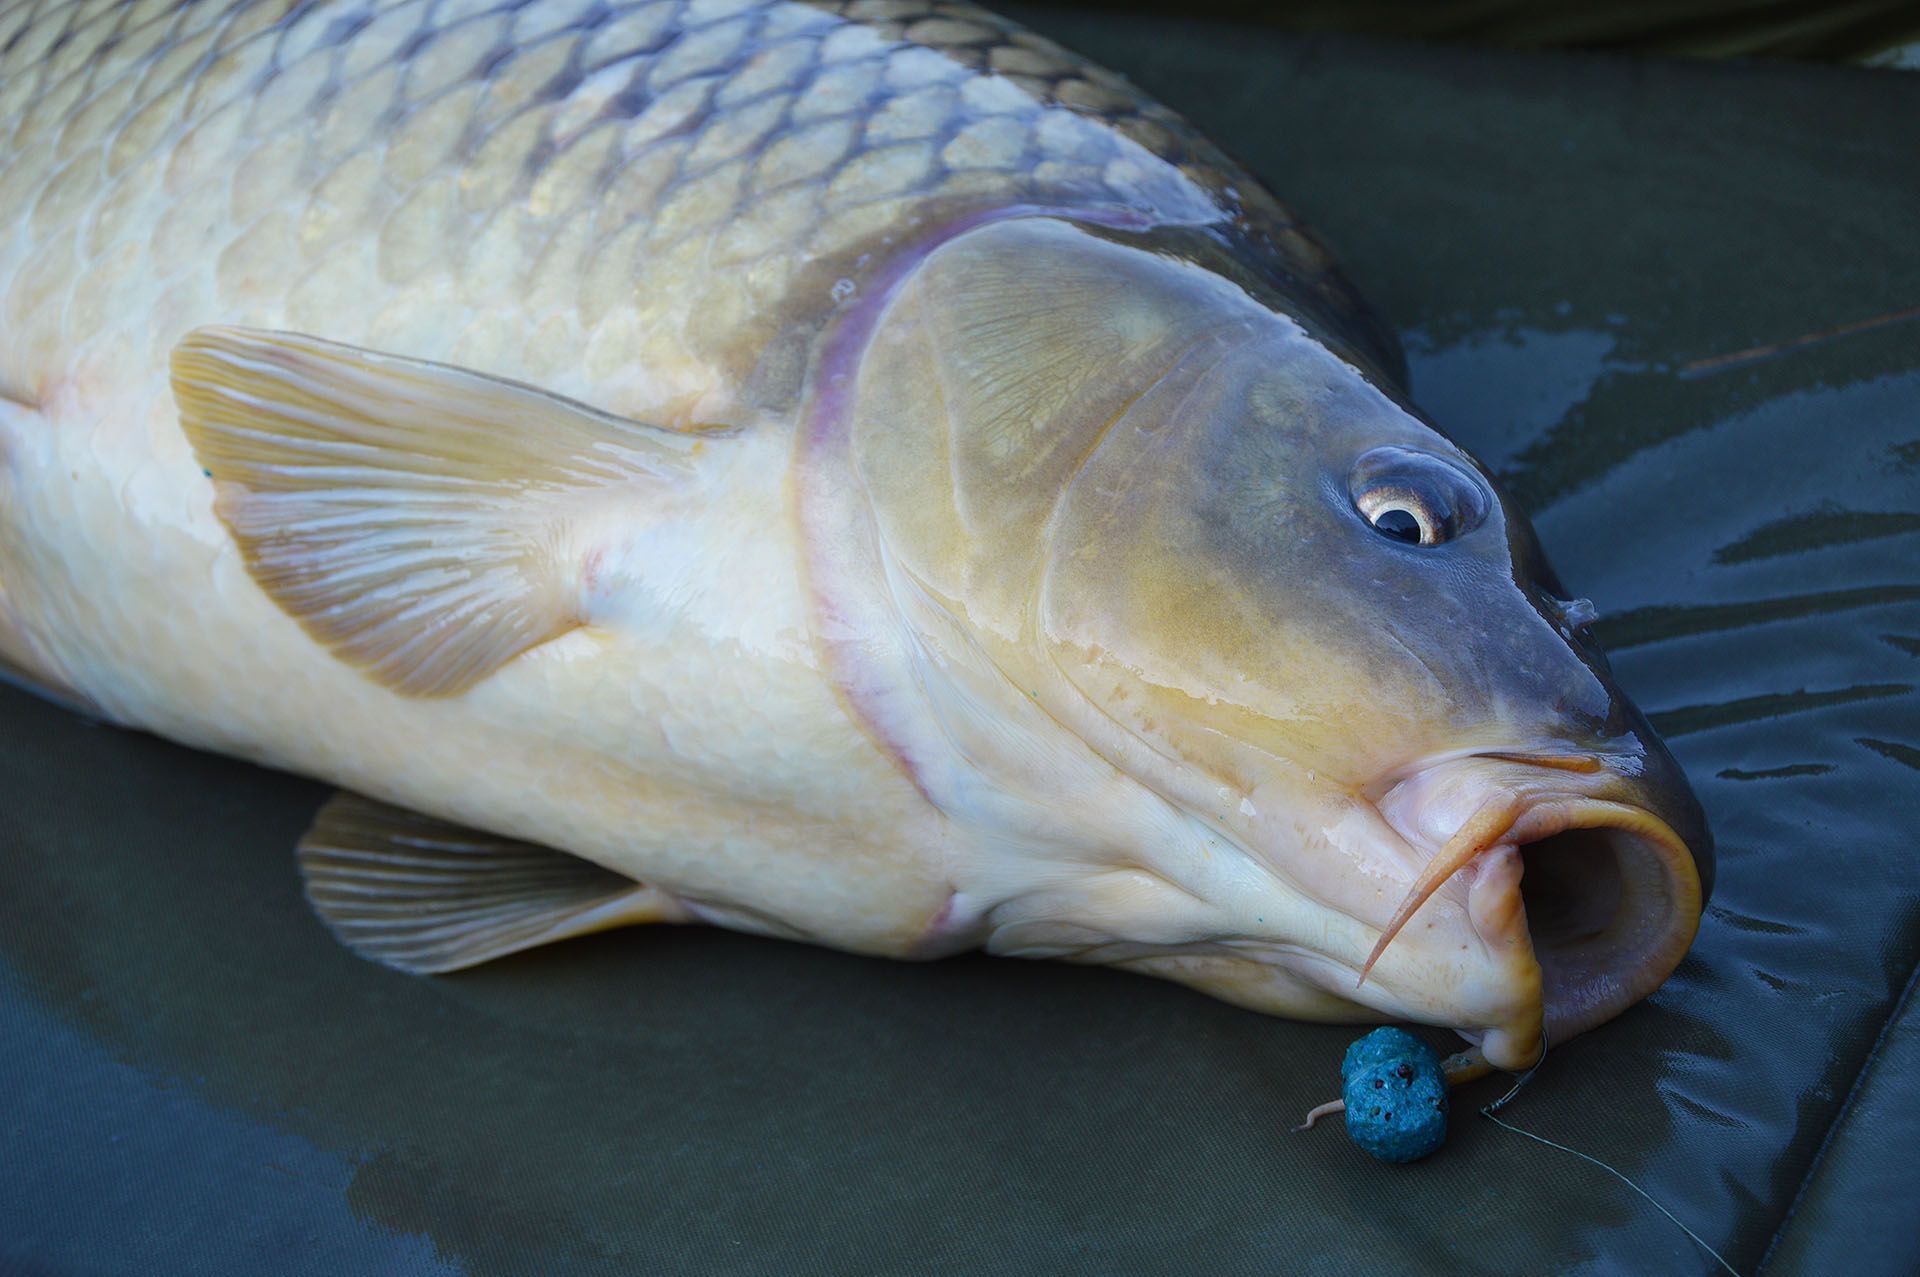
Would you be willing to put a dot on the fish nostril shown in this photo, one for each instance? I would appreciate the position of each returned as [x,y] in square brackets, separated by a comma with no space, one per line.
[1579,614]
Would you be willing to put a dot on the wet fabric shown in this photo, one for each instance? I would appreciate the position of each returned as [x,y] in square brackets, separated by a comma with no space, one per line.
[1612,278]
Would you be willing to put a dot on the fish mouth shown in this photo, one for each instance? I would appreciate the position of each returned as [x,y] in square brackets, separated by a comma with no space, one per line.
[1585,903]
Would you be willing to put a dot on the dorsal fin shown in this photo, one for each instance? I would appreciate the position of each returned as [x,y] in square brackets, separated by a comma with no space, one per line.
[426,896]
[410,515]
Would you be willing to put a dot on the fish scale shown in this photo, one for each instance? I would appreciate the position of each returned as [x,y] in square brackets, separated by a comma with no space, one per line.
[672,184]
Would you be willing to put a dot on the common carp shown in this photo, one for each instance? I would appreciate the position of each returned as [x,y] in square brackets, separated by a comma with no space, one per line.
[851,472]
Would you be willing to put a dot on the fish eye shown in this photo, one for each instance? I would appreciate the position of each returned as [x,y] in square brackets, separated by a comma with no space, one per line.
[1416,497]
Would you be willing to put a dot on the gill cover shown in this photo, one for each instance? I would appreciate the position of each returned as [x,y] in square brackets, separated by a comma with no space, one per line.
[998,369]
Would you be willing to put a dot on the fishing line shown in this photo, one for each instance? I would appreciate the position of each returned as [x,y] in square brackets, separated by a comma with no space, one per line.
[1493,1108]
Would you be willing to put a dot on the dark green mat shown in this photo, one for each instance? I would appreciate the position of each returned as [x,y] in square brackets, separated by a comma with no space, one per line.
[194,1077]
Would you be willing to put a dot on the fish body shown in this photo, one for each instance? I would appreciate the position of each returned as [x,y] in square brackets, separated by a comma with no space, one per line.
[854,470]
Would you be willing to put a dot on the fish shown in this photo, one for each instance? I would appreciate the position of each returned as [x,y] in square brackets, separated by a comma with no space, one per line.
[850,472]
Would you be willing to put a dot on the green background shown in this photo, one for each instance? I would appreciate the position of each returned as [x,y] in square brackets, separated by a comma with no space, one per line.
[193,1075]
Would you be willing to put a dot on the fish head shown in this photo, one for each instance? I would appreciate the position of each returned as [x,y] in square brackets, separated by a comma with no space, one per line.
[1301,597]
[1233,565]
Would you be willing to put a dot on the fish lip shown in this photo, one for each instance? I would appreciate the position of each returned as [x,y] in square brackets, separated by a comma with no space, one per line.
[1603,920]
[1595,967]
[1583,894]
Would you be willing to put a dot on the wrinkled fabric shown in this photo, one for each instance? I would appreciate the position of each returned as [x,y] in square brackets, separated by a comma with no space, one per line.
[194,1075]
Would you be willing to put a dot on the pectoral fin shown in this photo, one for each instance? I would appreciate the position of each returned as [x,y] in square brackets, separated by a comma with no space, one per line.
[413,517]
[426,896]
